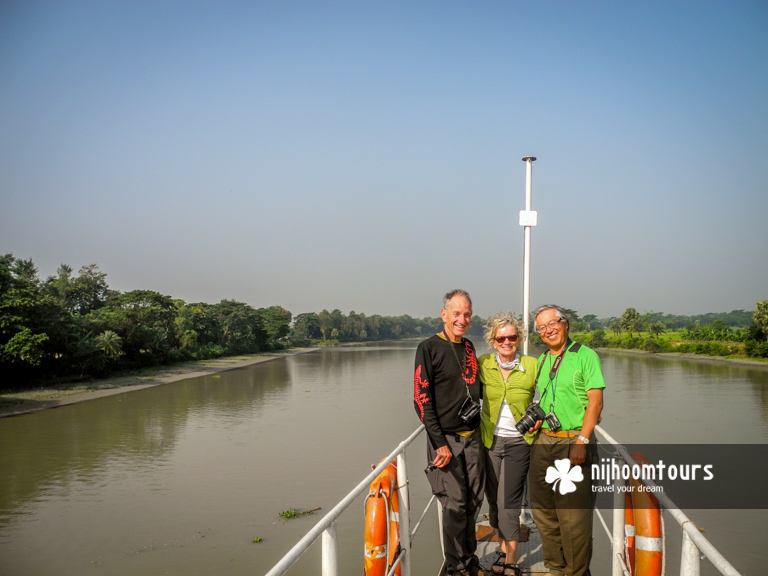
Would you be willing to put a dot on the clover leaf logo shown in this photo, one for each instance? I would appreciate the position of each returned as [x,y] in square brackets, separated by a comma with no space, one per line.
[563,473]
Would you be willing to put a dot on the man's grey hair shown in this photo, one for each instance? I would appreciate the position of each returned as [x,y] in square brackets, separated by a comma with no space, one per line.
[498,321]
[558,310]
[452,294]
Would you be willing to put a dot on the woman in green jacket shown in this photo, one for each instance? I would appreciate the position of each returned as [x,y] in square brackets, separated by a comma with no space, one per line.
[508,380]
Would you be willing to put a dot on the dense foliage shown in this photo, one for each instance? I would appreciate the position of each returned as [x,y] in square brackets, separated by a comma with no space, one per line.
[74,326]
[733,319]
[70,327]
[337,327]
[716,339]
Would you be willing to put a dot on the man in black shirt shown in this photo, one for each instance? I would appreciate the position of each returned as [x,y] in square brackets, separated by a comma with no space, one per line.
[446,386]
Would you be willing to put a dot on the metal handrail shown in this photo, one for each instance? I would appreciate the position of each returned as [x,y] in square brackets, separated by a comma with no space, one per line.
[694,542]
[326,527]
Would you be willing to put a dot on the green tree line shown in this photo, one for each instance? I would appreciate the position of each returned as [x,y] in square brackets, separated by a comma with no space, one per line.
[647,332]
[335,326]
[72,326]
[733,319]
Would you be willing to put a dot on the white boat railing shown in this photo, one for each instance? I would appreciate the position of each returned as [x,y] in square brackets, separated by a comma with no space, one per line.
[327,525]
[694,543]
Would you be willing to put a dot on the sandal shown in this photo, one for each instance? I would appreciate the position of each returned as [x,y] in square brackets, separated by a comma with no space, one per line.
[515,570]
[498,566]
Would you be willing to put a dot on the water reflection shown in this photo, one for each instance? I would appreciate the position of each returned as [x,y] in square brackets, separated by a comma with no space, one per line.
[658,399]
[180,478]
[78,443]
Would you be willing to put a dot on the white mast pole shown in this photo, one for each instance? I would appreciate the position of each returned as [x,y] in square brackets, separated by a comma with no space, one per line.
[528,219]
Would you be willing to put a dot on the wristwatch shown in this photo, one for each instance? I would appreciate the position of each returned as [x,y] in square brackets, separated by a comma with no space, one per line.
[584,440]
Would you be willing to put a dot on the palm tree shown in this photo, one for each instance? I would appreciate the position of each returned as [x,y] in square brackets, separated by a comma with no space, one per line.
[110,343]
[630,321]
[657,328]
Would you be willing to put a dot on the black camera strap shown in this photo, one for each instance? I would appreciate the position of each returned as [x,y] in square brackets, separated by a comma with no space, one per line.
[541,395]
[555,368]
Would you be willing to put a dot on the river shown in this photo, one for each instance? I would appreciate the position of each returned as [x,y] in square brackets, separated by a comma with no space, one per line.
[181,478]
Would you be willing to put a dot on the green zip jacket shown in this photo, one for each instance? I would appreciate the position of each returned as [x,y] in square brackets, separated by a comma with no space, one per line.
[518,391]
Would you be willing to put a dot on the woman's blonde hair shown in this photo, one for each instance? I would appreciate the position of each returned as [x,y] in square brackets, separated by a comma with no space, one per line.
[499,320]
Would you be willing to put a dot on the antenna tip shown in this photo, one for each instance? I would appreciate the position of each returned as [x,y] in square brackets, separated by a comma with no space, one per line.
[531,158]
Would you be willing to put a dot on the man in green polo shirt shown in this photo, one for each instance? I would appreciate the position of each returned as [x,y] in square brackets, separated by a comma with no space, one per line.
[570,383]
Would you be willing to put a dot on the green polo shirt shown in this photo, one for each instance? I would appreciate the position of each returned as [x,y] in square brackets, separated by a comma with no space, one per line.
[579,371]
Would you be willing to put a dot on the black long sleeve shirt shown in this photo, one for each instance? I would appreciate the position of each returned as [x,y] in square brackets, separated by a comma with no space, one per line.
[440,385]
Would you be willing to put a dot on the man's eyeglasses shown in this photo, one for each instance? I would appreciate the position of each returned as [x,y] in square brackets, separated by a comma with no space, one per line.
[551,325]
[500,339]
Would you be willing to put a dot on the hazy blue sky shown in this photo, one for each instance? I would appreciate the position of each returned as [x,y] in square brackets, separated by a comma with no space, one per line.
[367,155]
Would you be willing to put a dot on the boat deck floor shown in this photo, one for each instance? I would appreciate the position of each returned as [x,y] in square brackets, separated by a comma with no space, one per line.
[529,552]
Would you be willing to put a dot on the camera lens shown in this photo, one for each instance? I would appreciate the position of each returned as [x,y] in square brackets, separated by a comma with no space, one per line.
[525,423]
[528,420]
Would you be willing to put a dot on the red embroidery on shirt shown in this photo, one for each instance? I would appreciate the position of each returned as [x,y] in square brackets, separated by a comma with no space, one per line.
[470,370]
[419,398]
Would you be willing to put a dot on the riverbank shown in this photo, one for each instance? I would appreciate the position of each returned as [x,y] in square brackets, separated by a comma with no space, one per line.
[23,402]
[751,362]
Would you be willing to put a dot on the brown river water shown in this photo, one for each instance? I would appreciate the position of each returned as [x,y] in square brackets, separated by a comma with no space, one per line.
[181,478]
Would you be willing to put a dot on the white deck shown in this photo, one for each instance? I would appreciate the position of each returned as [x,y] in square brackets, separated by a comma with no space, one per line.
[529,554]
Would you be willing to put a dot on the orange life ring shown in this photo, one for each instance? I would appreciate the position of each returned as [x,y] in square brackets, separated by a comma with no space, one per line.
[382,523]
[649,539]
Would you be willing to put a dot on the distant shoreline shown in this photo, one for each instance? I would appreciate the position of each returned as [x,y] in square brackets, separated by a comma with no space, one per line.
[27,401]
[743,362]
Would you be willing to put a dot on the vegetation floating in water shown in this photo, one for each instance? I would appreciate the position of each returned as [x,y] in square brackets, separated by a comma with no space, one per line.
[288,514]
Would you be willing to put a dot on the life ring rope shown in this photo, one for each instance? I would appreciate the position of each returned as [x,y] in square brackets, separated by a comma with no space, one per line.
[381,508]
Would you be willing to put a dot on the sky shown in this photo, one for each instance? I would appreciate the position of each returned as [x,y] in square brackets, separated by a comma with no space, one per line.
[367,155]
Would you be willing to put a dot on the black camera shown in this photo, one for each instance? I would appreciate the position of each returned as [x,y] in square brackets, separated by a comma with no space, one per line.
[533,414]
[432,467]
[469,410]
[552,421]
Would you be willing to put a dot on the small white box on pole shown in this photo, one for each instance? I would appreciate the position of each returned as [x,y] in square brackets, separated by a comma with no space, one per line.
[528,217]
